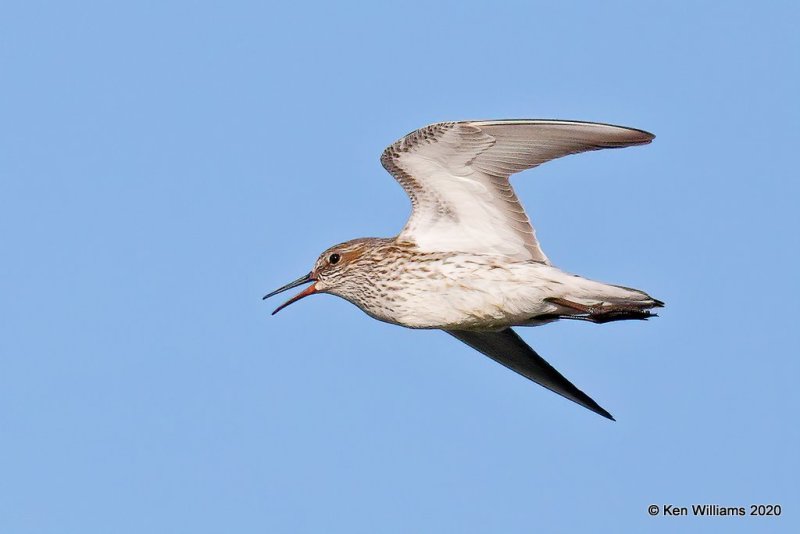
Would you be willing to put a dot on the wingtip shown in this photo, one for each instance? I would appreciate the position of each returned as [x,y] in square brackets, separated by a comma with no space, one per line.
[647,135]
[641,137]
[628,136]
[600,411]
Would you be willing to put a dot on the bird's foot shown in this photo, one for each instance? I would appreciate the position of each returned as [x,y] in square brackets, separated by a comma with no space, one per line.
[605,313]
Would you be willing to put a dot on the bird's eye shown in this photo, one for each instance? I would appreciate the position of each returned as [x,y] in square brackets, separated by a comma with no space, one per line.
[334,258]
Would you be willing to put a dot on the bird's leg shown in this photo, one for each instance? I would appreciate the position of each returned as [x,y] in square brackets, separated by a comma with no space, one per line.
[569,304]
[602,314]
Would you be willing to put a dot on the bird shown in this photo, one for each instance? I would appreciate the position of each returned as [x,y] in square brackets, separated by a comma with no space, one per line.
[467,260]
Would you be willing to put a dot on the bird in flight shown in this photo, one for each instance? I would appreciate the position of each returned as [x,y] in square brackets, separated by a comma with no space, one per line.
[468,261]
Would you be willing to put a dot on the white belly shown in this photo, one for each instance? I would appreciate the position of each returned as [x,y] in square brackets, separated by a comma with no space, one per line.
[471,296]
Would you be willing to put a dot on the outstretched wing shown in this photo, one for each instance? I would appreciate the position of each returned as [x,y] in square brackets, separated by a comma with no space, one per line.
[507,348]
[456,174]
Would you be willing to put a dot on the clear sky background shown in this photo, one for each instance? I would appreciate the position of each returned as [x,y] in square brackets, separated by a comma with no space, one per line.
[165,164]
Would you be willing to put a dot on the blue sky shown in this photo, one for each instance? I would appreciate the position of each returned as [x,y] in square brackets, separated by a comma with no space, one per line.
[165,164]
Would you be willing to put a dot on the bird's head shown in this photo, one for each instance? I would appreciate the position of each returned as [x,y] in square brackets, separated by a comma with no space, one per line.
[336,271]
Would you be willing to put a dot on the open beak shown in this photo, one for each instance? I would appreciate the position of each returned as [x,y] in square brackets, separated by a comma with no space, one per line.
[310,290]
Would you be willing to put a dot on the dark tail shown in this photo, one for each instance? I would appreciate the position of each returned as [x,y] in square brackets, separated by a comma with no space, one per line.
[607,313]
